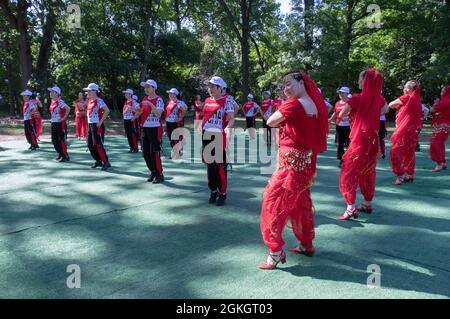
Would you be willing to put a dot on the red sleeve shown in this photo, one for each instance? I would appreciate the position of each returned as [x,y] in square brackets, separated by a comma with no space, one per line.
[404,99]
[289,109]
[354,101]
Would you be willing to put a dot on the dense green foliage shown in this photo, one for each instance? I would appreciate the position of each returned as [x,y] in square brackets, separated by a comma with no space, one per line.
[182,42]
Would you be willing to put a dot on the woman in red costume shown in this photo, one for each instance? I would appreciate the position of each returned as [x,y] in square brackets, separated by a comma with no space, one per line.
[360,160]
[405,138]
[81,121]
[441,132]
[303,126]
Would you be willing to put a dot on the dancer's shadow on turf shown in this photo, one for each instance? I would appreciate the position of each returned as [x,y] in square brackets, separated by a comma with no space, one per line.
[339,267]
[348,224]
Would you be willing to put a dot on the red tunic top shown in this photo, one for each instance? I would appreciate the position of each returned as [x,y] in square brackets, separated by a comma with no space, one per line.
[300,129]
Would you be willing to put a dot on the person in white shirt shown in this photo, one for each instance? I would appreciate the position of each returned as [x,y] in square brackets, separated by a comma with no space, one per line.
[129,110]
[218,112]
[97,112]
[176,109]
[425,112]
[59,111]
[29,108]
[249,109]
[343,127]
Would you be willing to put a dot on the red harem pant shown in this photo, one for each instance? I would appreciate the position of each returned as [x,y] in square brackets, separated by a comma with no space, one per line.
[81,126]
[437,143]
[288,196]
[38,125]
[359,168]
[403,151]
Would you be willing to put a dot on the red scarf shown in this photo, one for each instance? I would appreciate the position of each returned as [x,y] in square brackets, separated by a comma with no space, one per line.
[442,109]
[322,114]
[410,114]
[211,107]
[366,117]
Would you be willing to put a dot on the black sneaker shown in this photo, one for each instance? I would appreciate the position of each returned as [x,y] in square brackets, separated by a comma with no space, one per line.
[221,200]
[136,151]
[58,158]
[31,148]
[384,156]
[152,177]
[131,151]
[64,159]
[158,179]
[97,164]
[213,197]
[106,166]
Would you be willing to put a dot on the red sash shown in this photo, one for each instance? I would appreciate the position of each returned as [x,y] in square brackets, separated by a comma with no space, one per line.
[170,108]
[265,106]
[25,107]
[248,106]
[126,106]
[147,109]
[197,106]
[211,107]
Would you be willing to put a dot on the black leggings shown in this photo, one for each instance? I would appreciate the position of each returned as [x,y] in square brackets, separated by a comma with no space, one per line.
[343,137]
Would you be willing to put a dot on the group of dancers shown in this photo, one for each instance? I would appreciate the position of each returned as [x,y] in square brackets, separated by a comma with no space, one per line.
[303,124]
[301,114]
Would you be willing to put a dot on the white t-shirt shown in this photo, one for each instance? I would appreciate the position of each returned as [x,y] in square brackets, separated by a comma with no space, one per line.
[173,117]
[252,111]
[128,114]
[215,122]
[95,110]
[152,120]
[57,112]
[27,112]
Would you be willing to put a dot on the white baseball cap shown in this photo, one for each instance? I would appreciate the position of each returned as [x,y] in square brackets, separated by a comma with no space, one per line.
[55,89]
[173,91]
[250,96]
[344,89]
[91,87]
[217,80]
[135,97]
[128,91]
[267,93]
[151,83]
[26,93]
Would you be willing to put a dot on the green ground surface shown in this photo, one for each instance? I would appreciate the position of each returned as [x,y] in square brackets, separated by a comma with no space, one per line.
[133,239]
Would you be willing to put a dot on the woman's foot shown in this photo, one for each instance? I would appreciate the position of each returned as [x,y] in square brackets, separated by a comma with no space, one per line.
[300,249]
[366,208]
[409,179]
[273,260]
[349,213]
[439,167]
[398,181]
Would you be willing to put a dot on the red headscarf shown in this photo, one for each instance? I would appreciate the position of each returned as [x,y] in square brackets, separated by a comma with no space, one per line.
[322,112]
[442,108]
[410,114]
[366,117]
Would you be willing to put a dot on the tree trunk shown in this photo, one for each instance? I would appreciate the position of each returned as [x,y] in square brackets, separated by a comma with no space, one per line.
[176,7]
[48,32]
[309,28]
[149,37]
[245,49]
[348,41]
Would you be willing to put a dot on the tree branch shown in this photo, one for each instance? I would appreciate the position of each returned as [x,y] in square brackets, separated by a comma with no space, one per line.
[232,19]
